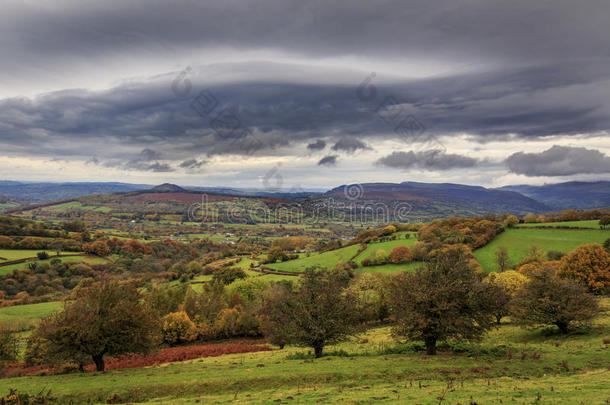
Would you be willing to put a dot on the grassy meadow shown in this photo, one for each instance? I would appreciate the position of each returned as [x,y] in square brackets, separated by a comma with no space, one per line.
[325,260]
[592,224]
[519,240]
[510,365]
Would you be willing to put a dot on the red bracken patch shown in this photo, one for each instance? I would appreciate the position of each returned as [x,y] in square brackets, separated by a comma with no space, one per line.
[167,355]
[180,353]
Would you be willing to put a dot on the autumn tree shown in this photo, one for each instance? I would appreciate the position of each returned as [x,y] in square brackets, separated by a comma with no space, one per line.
[320,308]
[6,242]
[530,218]
[550,300]
[275,312]
[509,280]
[589,264]
[106,319]
[226,275]
[604,221]
[510,221]
[443,299]
[276,253]
[400,255]
[503,259]
[503,286]
[533,255]
[8,346]
[99,248]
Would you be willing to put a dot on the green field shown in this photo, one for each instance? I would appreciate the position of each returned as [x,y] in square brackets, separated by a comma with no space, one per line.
[25,317]
[510,365]
[15,254]
[385,246]
[389,268]
[68,259]
[326,260]
[593,224]
[519,240]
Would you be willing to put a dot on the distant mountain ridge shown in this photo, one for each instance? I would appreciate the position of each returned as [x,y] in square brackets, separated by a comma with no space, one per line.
[457,199]
[573,194]
[27,193]
[429,199]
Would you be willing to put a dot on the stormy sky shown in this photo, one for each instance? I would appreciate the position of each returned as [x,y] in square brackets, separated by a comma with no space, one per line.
[312,93]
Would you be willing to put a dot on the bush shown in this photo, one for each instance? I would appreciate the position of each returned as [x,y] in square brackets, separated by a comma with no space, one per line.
[178,328]
[554,255]
[42,255]
[15,398]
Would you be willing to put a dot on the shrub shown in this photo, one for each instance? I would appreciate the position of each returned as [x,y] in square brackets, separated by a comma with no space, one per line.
[15,398]
[554,255]
[177,328]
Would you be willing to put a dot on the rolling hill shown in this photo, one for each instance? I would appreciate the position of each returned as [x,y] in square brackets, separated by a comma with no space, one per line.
[421,201]
[442,199]
[574,194]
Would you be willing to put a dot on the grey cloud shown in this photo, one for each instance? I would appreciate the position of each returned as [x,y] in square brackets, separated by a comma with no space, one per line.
[146,155]
[559,161]
[159,167]
[349,145]
[557,84]
[330,160]
[192,164]
[429,160]
[317,145]
[465,30]
[147,115]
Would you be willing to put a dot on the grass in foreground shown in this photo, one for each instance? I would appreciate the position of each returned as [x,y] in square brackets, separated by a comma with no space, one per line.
[510,365]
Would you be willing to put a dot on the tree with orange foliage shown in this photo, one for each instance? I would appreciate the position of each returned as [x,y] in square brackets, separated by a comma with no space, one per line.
[589,264]
[133,246]
[98,248]
[400,255]
[6,242]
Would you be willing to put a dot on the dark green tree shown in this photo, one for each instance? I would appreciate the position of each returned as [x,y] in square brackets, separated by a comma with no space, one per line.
[320,311]
[442,300]
[107,318]
[549,300]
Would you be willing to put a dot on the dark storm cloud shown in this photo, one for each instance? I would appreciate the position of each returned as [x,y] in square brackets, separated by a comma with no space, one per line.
[317,145]
[559,161]
[330,160]
[192,164]
[540,69]
[526,103]
[159,167]
[518,29]
[428,160]
[349,145]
